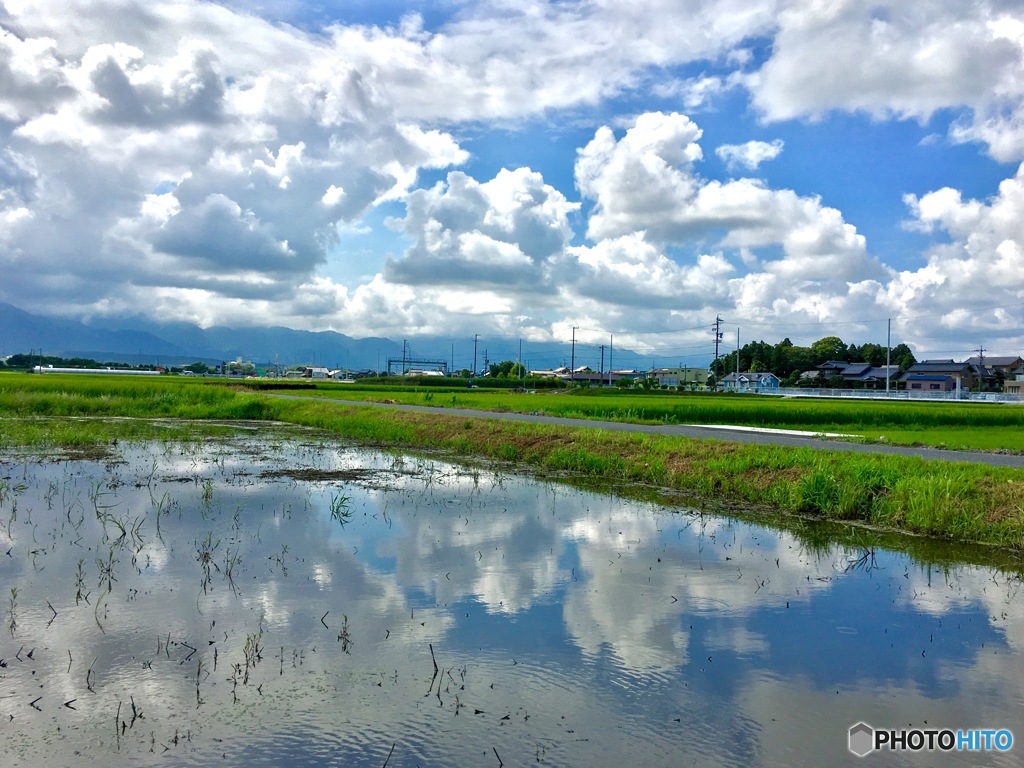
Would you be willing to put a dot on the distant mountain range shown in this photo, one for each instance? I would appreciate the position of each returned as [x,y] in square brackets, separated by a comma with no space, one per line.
[139,340]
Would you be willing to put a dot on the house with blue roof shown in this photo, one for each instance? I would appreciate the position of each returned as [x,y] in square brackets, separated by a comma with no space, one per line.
[929,382]
[964,373]
[754,381]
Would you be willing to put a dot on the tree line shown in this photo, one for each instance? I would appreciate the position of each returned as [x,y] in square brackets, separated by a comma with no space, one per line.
[787,361]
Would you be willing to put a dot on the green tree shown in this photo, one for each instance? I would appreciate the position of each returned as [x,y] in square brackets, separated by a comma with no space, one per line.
[801,359]
[780,359]
[241,369]
[872,353]
[506,369]
[726,364]
[792,380]
[902,356]
[829,348]
[788,361]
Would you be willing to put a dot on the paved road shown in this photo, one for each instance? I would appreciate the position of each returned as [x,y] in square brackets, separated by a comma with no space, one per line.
[731,434]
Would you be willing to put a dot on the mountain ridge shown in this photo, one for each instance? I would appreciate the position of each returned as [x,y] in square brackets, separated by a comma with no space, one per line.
[140,340]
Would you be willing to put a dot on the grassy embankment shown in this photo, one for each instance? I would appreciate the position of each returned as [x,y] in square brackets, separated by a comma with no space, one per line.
[954,501]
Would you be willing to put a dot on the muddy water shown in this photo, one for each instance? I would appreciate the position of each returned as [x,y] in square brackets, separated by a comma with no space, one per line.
[308,604]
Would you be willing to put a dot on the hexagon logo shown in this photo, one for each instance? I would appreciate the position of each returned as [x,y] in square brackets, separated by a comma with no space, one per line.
[862,739]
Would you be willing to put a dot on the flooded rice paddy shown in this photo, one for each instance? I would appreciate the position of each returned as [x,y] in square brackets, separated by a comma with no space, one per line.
[274,602]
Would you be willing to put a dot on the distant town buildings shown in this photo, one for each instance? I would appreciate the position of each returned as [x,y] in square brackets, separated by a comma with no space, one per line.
[978,374]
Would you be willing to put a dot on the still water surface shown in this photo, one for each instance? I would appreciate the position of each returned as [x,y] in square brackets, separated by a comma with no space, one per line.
[275,603]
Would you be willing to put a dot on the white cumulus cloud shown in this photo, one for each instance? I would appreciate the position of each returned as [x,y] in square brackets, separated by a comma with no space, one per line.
[192,159]
[750,154]
[973,281]
[907,60]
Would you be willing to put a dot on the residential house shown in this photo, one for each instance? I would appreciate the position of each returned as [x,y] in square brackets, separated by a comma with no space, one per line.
[1005,365]
[854,370]
[1013,384]
[867,376]
[966,374]
[810,379]
[754,381]
[925,382]
[995,370]
[831,368]
[854,375]
[585,375]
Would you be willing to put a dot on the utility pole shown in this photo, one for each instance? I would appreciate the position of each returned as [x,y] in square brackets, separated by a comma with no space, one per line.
[602,361]
[611,351]
[717,328]
[475,337]
[981,364]
[888,355]
[572,364]
[737,357]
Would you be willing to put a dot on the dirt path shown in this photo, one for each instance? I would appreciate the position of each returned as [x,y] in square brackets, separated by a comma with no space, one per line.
[791,439]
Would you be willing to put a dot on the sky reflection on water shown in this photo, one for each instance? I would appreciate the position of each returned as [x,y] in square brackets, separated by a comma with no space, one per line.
[568,627]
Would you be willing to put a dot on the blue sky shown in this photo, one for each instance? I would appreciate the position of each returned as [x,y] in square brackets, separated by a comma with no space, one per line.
[517,170]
